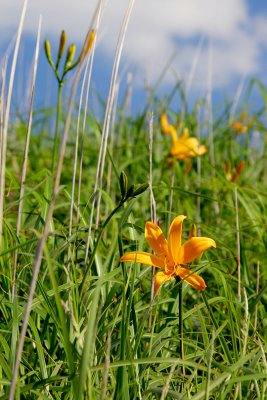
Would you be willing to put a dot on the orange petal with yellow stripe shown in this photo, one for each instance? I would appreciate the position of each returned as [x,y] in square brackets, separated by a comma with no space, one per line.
[191,278]
[194,247]
[155,237]
[160,278]
[142,257]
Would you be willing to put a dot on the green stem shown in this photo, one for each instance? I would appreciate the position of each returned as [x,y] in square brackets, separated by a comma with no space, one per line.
[58,116]
[96,245]
[215,323]
[181,326]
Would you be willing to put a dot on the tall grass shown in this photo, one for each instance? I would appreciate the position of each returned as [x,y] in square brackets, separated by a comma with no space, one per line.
[75,322]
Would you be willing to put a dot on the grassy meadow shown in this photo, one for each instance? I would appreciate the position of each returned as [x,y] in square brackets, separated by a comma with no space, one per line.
[75,321]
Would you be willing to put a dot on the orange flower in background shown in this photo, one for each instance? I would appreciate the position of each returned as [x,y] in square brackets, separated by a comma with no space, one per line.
[171,255]
[242,125]
[183,147]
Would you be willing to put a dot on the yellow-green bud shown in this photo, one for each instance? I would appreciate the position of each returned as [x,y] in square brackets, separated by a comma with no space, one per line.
[62,44]
[47,47]
[70,55]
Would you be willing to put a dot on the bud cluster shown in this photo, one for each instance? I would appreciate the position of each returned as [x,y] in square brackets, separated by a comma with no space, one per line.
[69,62]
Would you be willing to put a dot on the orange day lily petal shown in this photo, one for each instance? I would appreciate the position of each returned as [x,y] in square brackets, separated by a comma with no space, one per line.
[155,237]
[168,128]
[185,134]
[175,236]
[194,247]
[142,257]
[183,149]
[193,279]
[202,150]
[165,126]
[191,143]
[160,278]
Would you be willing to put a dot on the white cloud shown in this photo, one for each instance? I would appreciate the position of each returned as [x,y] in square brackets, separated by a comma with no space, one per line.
[158,29]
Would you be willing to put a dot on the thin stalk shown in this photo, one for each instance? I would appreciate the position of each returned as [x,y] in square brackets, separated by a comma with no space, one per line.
[172,186]
[6,120]
[210,126]
[238,246]
[193,67]
[215,323]
[257,292]
[42,240]
[111,147]
[165,389]
[153,212]
[58,118]
[198,176]
[210,352]
[76,148]
[85,115]
[111,100]
[245,330]
[106,125]
[26,151]
[209,110]
[88,268]
[105,373]
[236,99]
[181,324]
[2,98]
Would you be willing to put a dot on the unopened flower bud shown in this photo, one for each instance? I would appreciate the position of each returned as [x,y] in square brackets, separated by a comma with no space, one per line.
[123,184]
[62,44]
[47,47]
[70,56]
[140,188]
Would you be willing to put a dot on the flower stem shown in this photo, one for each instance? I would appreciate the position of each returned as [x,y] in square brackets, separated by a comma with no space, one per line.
[58,116]
[180,324]
[96,244]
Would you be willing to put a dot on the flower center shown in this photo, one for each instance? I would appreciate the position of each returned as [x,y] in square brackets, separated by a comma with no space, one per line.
[169,267]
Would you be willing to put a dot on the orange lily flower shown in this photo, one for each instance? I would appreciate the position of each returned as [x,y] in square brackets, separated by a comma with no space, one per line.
[171,256]
[182,147]
[243,124]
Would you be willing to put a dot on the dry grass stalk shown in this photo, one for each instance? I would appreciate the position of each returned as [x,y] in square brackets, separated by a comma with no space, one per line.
[238,246]
[105,131]
[87,76]
[153,208]
[26,151]
[111,100]
[6,119]
[198,176]
[42,240]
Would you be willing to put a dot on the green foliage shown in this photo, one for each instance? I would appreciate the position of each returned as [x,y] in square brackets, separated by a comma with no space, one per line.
[94,332]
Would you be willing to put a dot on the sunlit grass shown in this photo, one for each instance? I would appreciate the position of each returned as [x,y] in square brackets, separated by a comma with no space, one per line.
[95,328]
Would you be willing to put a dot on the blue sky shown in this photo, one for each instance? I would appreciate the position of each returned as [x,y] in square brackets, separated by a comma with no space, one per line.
[225,40]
